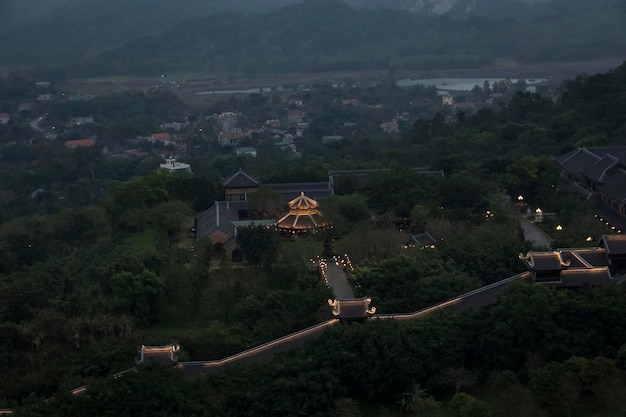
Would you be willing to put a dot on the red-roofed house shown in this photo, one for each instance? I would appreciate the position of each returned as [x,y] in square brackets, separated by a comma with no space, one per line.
[79,143]
[4,118]
[275,123]
[163,138]
[390,127]
[24,106]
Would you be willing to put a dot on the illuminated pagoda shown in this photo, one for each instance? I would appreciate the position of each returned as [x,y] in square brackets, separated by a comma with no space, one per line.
[303,217]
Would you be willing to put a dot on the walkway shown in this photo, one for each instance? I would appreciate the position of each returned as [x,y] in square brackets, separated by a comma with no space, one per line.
[333,272]
[535,235]
[478,298]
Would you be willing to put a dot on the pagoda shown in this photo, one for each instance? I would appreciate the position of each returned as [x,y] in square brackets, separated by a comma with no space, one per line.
[303,217]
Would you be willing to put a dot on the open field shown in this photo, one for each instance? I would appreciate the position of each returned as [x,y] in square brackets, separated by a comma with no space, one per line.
[187,85]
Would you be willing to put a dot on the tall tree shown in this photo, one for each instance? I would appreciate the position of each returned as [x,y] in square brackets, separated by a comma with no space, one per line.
[258,243]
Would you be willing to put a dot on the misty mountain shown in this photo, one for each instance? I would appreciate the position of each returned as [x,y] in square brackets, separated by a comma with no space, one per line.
[14,12]
[316,35]
[322,35]
[312,35]
[494,8]
[62,30]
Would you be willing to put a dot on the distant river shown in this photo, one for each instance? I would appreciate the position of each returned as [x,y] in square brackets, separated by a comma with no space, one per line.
[244,91]
[442,84]
[457,84]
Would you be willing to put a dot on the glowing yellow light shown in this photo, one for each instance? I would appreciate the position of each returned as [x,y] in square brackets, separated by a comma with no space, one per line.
[559,227]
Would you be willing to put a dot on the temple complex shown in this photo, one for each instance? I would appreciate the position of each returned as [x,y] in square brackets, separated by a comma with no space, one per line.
[576,267]
[219,223]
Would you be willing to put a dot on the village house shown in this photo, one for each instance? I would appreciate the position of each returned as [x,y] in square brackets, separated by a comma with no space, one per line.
[4,118]
[232,138]
[331,138]
[25,106]
[163,137]
[404,116]
[296,116]
[246,150]
[75,121]
[298,102]
[173,166]
[465,106]
[228,122]
[272,123]
[389,127]
[351,102]
[447,100]
[80,143]
[175,126]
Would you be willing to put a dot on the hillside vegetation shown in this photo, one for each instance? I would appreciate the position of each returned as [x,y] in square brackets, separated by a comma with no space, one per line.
[86,278]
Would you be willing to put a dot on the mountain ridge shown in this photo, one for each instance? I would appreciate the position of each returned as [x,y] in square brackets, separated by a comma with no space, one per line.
[311,35]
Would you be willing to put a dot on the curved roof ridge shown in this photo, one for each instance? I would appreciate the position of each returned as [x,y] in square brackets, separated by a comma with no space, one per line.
[240,179]
[302,202]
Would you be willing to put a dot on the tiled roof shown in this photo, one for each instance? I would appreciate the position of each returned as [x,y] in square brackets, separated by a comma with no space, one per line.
[614,244]
[423,239]
[577,160]
[581,277]
[161,137]
[544,261]
[593,162]
[319,191]
[580,266]
[585,257]
[233,135]
[599,169]
[302,202]
[220,216]
[240,180]
[303,216]
[618,152]
[79,143]
[615,185]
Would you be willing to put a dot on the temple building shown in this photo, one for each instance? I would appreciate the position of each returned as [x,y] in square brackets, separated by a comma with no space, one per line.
[303,217]
[576,267]
[239,186]
[158,355]
[356,309]
[599,174]
[219,223]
